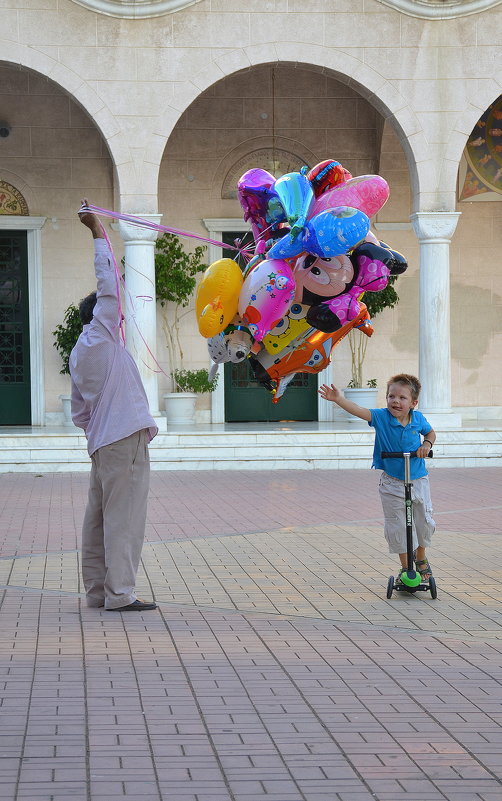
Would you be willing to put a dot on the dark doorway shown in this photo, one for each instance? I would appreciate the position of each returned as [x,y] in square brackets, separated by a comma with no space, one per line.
[248,401]
[15,390]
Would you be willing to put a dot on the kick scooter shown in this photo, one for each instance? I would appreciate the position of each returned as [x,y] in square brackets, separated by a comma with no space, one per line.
[410,579]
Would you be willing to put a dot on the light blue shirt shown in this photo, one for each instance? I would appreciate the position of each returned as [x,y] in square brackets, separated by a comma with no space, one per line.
[391,435]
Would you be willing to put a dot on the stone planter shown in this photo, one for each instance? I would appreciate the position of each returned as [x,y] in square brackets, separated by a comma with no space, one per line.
[363,396]
[66,401]
[180,408]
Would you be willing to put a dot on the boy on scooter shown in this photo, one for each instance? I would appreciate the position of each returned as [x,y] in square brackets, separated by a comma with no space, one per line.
[398,428]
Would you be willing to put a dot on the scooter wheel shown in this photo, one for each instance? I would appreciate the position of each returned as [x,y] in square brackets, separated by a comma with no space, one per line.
[390,586]
[432,587]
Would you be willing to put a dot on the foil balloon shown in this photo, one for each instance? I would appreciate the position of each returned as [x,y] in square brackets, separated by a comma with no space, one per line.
[260,202]
[302,290]
[296,195]
[330,233]
[217,348]
[333,287]
[266,295]
[290,328]
[326,175]
[309,353]
[333,232]
[326,278]
[368,193]
[238,340]
[217,296]
[231,345]
[396,262]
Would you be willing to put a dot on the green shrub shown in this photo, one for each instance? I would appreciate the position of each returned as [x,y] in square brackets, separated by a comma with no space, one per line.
[193,381]
[175,280]
[66,334]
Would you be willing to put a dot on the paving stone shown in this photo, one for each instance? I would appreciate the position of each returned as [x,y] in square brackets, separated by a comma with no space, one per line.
[275,667]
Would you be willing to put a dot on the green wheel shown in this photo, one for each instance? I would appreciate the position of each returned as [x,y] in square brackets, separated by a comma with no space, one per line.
[410,578]
[433,588]
[390,586]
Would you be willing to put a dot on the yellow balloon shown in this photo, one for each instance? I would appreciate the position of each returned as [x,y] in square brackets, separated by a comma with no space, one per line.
[217,296]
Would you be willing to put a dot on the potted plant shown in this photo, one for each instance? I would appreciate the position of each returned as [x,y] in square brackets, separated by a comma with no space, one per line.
[363,392]
[175,280]
[180,404]
[65,337]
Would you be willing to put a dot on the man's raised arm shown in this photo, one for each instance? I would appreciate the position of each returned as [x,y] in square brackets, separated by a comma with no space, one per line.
[107,308]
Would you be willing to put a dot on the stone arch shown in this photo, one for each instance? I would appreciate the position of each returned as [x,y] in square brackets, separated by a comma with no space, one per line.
[87,98]
[346,68]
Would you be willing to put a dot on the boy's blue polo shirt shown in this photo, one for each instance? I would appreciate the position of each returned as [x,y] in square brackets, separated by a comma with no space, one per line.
[390,435]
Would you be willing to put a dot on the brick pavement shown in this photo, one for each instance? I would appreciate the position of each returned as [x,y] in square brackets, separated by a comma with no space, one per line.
[275,669]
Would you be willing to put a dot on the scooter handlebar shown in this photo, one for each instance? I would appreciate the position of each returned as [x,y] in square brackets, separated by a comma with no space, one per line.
[400,454]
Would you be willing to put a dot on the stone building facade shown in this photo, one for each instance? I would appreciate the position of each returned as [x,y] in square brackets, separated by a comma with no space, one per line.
[155,108]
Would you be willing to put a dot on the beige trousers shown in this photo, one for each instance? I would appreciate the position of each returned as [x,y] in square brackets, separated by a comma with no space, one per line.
[114,522]
[392,497]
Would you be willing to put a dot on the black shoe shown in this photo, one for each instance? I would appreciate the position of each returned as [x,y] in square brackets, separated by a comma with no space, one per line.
[136,606]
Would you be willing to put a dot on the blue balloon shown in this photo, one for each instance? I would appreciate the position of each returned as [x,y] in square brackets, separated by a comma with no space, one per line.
[335,231]
[296,195]
[286,248]
[330,233]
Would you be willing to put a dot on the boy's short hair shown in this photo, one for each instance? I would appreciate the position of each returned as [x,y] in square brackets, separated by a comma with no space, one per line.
[406,380]
[86,308]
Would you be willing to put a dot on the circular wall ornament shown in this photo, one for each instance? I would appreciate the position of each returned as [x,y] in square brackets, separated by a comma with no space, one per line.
[11,201]
[135,9]
[275,160]
[441,9]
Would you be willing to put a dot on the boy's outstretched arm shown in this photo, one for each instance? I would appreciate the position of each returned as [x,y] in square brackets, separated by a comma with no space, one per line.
[333,394]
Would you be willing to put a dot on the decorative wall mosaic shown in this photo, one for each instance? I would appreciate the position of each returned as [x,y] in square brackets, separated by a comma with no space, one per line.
[483,155]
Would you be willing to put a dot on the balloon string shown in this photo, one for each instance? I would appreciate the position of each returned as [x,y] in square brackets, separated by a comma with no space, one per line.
[140,222]
[132,317]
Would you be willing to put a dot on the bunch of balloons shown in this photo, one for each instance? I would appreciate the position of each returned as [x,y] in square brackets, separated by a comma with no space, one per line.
[300,293]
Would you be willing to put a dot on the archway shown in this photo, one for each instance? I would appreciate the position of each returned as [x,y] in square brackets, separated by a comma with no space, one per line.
[52,153]
[278,117]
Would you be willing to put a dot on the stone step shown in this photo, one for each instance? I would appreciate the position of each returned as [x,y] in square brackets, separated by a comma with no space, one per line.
[292,446]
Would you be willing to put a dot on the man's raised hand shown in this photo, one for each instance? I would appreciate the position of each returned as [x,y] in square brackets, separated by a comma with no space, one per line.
[90,220]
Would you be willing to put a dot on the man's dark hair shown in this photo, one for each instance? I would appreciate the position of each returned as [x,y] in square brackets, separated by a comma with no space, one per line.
[86,308]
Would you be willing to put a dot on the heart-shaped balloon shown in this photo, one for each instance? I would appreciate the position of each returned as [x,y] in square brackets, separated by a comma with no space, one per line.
[367,193]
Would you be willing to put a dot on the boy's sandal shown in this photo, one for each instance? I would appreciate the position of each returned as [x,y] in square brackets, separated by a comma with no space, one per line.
[424,568]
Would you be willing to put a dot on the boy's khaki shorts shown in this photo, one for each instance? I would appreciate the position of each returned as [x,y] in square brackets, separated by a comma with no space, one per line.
[392,497]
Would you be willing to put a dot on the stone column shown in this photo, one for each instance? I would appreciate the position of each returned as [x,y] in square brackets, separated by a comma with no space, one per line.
[141,309]
[434,231]
[325,409]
